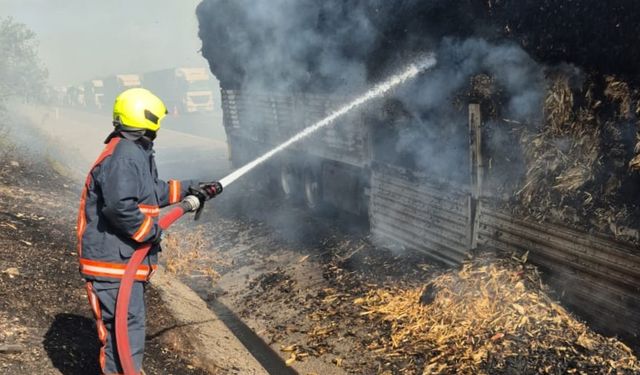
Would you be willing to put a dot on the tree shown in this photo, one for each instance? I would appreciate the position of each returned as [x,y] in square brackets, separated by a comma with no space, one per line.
[21,71]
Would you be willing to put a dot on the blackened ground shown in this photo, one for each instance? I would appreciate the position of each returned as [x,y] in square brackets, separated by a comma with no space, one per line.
[44,313]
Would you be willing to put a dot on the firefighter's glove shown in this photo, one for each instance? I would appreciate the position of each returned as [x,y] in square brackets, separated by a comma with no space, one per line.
[199,193]
[205,190]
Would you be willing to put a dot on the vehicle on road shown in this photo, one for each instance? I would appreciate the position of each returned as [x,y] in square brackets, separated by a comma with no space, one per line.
[94,94]
[185,90]
[115,84]
[74,96]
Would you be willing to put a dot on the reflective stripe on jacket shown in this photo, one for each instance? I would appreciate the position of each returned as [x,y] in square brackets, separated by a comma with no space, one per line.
[119,209]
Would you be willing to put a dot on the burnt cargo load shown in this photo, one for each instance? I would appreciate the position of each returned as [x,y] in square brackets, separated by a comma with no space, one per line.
[523,138]
[184,90]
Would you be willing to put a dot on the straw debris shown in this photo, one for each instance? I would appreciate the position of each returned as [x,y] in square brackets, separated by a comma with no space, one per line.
[563,156]
[374,311]
[491,317]
[620,93]
[579,163]
[188,253]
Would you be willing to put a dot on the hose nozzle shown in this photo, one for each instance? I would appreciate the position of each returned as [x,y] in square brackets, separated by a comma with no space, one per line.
[215,188]
[190,203]
[201,192]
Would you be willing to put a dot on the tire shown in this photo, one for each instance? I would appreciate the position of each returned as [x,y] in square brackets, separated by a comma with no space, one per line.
[312,189]
[289,182]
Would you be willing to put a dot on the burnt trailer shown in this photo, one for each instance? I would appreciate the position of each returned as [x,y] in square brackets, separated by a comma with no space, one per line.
[458,161]
[408,208]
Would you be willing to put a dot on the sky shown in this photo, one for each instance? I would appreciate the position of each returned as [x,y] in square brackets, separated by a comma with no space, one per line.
[85,39]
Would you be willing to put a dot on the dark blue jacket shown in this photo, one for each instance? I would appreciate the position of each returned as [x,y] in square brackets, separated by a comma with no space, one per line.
[119,209]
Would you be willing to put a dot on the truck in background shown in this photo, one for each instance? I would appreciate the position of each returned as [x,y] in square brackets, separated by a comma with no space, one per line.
[94,94]
[114,85]
[184,90]
[74,96]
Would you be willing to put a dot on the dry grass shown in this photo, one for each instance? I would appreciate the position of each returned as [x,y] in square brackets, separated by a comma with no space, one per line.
[189,252]
[489,317]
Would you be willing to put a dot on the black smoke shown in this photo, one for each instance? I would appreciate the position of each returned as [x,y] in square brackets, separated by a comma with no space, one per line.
[321,45]
[598,36]
[336,44]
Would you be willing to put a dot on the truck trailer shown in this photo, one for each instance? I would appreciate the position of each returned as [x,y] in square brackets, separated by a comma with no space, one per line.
[521,142]
[410,208]
[115,84]
[75,96]
[94,94]
[184,90]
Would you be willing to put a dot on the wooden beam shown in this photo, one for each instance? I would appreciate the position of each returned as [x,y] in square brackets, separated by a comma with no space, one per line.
[475,171]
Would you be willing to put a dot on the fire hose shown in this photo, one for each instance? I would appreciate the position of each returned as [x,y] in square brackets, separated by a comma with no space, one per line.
[189,203]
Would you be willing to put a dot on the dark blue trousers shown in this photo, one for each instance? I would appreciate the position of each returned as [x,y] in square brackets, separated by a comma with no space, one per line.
[103,296]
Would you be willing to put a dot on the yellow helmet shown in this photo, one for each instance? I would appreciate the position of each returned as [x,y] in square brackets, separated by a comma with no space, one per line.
[139,109]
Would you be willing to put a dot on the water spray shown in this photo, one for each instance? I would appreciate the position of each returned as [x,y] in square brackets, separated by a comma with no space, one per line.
[192,203]
[410,72]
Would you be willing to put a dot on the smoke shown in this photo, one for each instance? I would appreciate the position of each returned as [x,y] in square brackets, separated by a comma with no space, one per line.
[434,137]
[340,47]
[309,45]
[265,45]
[323,45]
[499,53]
[597,36]
[80,41]
[318,44]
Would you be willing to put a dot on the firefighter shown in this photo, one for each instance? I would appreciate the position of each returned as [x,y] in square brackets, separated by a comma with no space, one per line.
[119,211]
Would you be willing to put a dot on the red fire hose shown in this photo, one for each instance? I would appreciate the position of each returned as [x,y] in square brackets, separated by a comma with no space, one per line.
[124,293]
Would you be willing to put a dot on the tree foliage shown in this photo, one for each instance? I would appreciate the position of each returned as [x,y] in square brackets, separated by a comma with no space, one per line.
[22,74]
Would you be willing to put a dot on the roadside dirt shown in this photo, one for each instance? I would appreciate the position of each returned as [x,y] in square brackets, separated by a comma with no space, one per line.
[46,326]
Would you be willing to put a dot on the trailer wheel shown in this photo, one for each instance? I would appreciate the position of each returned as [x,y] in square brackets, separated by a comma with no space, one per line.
[312,189]
[289,182]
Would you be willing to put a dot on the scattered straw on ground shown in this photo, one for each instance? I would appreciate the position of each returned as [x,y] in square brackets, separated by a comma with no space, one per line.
[188,252]
[491,317]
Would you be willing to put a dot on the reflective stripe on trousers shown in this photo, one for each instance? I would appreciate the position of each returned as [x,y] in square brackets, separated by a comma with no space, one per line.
[89,268]
[102,298]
